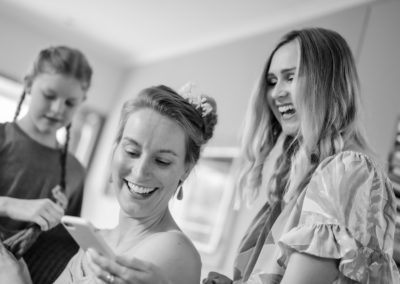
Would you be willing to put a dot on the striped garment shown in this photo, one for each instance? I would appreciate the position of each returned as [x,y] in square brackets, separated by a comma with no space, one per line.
[346,212]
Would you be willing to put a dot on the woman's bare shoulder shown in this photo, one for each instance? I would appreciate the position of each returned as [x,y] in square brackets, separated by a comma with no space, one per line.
[172,241]
[174,253]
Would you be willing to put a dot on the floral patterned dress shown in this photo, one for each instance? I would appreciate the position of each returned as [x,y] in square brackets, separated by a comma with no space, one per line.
[347,212]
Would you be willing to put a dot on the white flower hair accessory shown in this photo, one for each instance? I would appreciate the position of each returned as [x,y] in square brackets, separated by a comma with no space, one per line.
[194,96]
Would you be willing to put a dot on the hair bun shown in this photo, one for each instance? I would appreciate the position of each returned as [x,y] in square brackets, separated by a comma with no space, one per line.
[210,120]
[205,105]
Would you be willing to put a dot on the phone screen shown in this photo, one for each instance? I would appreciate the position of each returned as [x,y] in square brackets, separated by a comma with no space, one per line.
[85,235]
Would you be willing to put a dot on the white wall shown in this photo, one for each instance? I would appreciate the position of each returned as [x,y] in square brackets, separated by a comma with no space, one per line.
[379,66]
[228,72]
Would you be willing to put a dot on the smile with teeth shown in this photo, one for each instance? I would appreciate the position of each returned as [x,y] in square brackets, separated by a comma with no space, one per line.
[139,189]
[286,110]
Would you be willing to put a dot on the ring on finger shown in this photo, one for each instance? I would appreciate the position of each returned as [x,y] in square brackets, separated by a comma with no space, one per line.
[110,278]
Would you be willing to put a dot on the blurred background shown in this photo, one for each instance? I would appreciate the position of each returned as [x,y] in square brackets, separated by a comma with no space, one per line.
[222,46]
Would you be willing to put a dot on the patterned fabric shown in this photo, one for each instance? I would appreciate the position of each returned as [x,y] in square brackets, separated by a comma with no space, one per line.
[346,212]
[77,271]
[50,254]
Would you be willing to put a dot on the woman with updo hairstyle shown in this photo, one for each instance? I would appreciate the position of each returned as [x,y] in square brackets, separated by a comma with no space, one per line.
[158,142]
[198,125]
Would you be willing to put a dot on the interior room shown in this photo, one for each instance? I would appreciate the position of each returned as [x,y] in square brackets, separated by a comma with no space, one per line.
[219,45]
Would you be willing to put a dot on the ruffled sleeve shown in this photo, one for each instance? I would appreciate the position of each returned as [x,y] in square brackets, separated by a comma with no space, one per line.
[347,214]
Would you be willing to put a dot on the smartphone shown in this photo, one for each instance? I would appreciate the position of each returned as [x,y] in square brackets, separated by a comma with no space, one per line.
[85,235]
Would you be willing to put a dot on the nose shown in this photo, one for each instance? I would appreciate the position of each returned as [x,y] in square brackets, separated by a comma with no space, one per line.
[281,90]
[58,106]
[142,167]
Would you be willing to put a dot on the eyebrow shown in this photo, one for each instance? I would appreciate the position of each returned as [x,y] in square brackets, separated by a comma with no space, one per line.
[53,92]
[289,69]
[162,151]
[49,90]
[165,151]
[283,71]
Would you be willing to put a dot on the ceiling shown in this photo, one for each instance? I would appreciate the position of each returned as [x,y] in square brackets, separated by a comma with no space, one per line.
[143,31]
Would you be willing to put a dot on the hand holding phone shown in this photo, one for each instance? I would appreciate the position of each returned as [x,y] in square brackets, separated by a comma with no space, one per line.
[84,234]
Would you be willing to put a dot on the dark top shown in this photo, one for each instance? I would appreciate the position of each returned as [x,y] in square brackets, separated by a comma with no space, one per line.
[30,170]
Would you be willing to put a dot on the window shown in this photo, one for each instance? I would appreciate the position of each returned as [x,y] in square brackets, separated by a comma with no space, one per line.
[206,212]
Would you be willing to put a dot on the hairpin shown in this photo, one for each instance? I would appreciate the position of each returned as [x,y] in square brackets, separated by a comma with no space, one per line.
[194,96]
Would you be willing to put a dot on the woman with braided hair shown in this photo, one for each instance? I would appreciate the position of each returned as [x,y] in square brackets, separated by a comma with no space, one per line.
[39,180]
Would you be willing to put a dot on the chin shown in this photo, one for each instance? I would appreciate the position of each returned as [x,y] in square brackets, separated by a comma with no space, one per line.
[290,130]
[129,209]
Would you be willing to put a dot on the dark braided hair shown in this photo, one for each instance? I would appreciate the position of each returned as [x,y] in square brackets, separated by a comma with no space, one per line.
[21,100]
[63,157]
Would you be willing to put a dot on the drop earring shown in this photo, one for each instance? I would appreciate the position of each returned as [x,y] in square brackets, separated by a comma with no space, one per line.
[179,195]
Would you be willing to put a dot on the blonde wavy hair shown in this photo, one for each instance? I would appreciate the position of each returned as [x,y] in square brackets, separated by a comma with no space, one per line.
[328,107]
